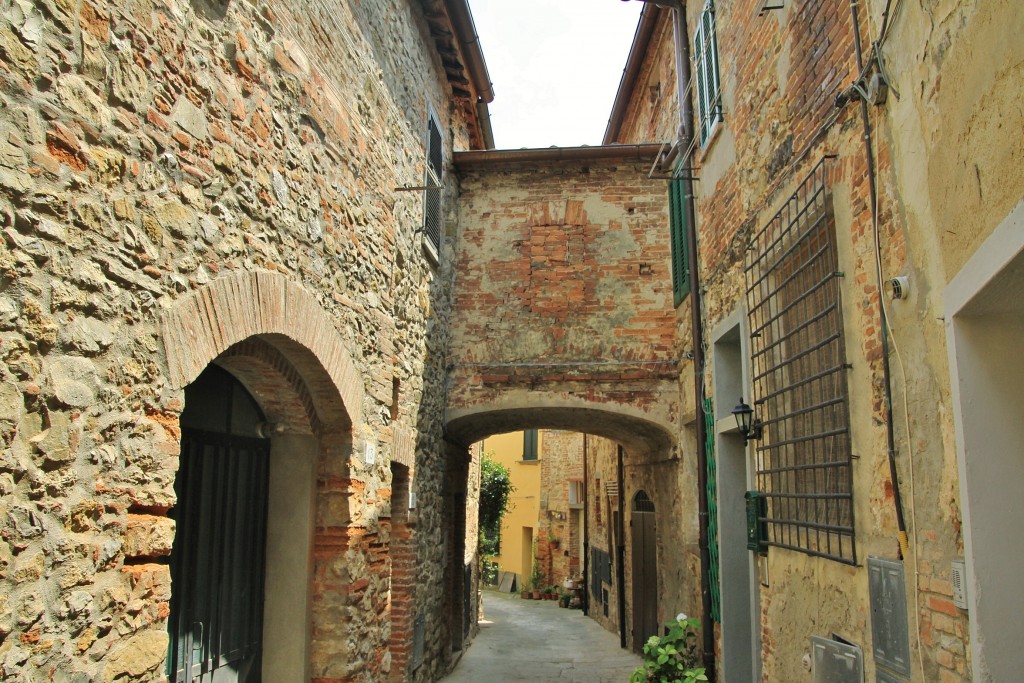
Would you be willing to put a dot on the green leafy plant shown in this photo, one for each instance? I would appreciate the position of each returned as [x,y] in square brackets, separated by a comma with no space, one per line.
[537,579]
[489,572]
[495,490]
[672,658]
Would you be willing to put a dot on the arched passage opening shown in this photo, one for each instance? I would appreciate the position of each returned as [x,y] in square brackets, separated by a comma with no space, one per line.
[579,527]
[219,554]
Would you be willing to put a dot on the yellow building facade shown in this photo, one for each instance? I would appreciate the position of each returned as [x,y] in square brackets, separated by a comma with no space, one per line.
[520,452]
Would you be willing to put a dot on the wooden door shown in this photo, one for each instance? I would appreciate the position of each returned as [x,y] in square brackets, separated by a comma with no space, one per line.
[645,571]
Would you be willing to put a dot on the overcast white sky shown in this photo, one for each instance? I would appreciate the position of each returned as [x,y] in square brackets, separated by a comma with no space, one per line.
[555,65]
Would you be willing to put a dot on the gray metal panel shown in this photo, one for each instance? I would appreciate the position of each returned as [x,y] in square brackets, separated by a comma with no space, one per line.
[885,676]
[890,634]
[958,577]
[835,662]
[418,640]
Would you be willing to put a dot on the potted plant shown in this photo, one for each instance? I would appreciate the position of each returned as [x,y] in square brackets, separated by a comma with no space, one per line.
[673,656]
[554,541]
[536,581]
[563,599]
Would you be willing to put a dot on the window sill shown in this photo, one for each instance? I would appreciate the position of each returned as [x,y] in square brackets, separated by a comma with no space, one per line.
[529,462]
[709,144]
[430,251]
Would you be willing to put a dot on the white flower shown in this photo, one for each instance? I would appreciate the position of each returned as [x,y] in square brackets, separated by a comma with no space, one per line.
[681,617]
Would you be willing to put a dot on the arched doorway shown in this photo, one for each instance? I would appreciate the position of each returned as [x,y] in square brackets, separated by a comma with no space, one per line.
[645,570]
[218,557]
[274,338]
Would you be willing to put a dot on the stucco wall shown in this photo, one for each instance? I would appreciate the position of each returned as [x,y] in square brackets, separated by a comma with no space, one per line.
[943,161]
[524,501]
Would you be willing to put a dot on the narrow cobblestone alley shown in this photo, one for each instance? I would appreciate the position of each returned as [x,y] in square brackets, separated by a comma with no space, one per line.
[527,640]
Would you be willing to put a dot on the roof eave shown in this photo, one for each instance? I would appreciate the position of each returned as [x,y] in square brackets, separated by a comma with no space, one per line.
[637,53]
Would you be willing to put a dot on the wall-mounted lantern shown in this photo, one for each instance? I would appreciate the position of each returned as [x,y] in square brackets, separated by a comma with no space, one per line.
[748,425]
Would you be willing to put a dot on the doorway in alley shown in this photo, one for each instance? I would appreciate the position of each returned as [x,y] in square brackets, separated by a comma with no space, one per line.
[645,571]
[984,328]
[217,562]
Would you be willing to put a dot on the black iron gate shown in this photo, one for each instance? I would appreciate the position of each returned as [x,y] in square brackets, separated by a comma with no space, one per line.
[218,559]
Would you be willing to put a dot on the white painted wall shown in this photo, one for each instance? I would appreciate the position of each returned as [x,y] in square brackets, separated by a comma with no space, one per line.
[741,642]
[290,511]
[985,331]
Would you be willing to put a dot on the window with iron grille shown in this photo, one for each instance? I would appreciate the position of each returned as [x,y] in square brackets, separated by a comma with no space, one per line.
[708,84]
[678,241]
[434,174]
[800,385]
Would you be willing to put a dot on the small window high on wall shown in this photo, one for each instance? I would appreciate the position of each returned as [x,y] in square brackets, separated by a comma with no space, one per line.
[530,444]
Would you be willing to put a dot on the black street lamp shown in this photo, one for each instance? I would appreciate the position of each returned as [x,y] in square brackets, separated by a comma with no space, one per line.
[749,426]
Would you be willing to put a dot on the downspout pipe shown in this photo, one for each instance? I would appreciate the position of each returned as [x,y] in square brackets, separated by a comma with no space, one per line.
[683,75]
[585,604]
[620,551]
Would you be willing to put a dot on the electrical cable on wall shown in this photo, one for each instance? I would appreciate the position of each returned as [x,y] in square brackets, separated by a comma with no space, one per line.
[886,329]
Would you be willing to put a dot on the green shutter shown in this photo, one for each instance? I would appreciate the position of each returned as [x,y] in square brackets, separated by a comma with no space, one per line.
[530,444]
[680,248]
[713,568]
[699,56]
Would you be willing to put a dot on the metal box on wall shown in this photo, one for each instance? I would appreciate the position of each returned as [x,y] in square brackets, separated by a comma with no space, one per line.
[890,636]
[757,528]
[836,662]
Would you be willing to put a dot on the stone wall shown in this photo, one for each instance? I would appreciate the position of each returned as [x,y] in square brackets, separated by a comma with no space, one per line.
[653,114]
[602,459]
[149,153]
[942,205]
[560,316]
[560,528]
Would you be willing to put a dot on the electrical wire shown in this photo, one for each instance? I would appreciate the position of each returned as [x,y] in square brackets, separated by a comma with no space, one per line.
[887,18]
[906,420]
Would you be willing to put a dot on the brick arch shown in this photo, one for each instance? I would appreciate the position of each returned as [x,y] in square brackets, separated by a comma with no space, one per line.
[270,368]
[638,433]
[204,324]
[277,340]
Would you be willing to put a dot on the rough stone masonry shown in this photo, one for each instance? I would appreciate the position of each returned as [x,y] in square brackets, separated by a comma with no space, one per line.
[158,160]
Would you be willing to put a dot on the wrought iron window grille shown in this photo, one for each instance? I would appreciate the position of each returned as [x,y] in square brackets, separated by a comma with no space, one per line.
[804,460]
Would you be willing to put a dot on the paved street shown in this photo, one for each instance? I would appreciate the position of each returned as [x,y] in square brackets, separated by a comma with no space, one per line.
[537,641]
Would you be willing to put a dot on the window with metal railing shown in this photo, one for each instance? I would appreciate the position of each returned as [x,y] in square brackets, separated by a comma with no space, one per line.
[804,458]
